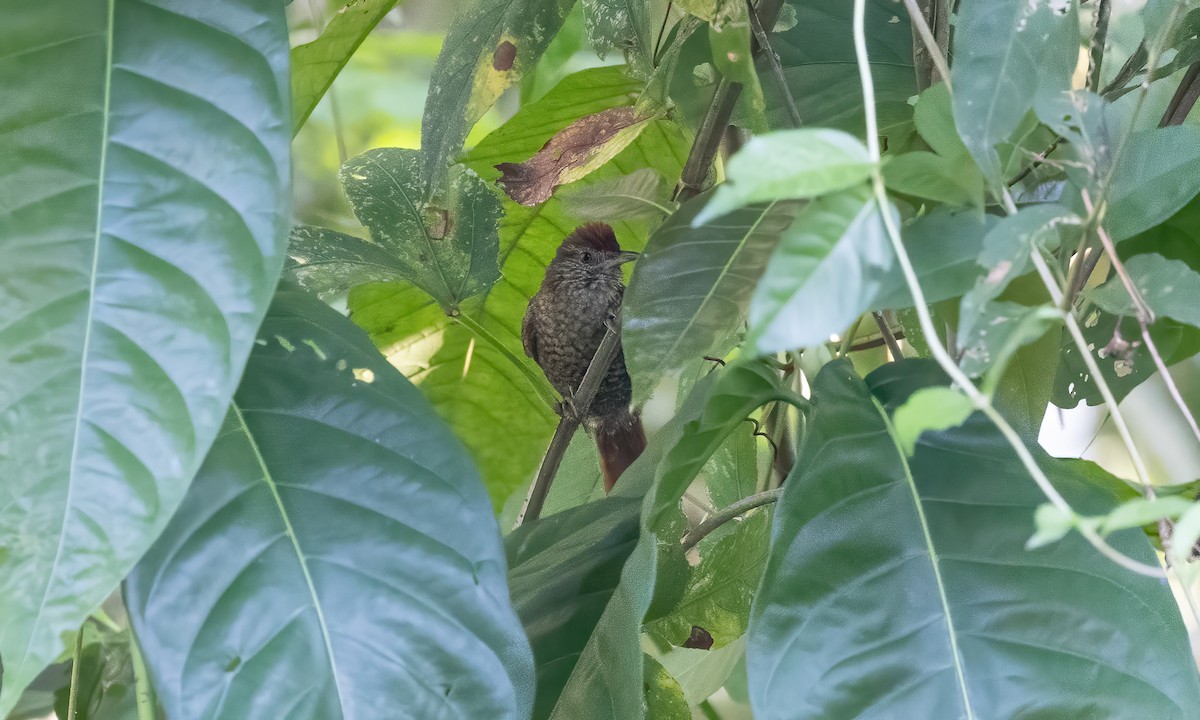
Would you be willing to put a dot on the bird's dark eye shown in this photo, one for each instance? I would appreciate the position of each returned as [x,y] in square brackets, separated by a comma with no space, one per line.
[587,256]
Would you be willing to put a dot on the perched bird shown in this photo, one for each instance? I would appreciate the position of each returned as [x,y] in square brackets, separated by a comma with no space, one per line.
[563,326]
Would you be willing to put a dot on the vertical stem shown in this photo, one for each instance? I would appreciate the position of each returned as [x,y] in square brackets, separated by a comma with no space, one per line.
[143,691]
[73,691]
[932,55]
[1103,11]
[893,345]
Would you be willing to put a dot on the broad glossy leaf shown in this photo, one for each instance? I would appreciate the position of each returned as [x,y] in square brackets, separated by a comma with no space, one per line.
[329,263]
[489,46]
[446,245]
[1157,174]
[474,385]
[336,556]
[817,56]
[664,697]
[637,196]
[317,63]
[144,220]
[948,174]
[585,623]
[788,164]
[1169,287]
[692,286]
[986,628]
[701,673]
[829,266]
[942,246]
[1004,52]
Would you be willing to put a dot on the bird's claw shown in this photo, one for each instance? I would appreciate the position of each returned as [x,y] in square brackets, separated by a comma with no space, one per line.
[566,408]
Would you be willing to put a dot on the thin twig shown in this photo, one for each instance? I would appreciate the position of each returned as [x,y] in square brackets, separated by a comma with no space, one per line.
[571,419]
[741,507]
[980,401]
[931,45]
[764,43]
[1184,99]
[1103,11]
[1037,162]
[661,31]
[1132,64]
[340,137]
[1145,316]
[941,31]
[888,337]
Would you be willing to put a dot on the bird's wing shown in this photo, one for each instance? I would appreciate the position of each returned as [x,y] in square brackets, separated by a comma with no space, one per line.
[529,335]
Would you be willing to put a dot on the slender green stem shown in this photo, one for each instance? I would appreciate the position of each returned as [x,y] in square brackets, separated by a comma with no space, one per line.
[764,43]
[1103,11]
[849,339]
[724,515]
[978,399]
[537,381]
[143,690]
[73,691]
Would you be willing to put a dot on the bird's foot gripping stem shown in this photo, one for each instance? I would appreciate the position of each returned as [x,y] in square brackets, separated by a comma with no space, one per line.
[567,409]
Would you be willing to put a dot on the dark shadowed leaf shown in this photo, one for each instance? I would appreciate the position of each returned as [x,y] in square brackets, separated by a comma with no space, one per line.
[490,45]
[986,628]
[1004,52]
[145,187]
[446,246]
[692,286]
[582,601]
[336,556]
[828,268]
[315,65]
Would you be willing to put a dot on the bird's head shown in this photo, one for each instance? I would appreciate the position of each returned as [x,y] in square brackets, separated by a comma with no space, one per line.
[590,256]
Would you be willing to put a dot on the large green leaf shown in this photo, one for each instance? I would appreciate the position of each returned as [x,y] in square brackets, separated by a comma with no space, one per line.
[1169,287]
[490,45]
[1156,175]
[801,163]
[692,286]
[563,570]
[942,246]
[611,660]
[336,556]
[985,628]
[1004,52]
[145,183]
[316,64]
[473,385]
[817,56]
[829,266]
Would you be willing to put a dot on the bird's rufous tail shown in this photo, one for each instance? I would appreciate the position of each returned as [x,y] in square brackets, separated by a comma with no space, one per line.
[620,443]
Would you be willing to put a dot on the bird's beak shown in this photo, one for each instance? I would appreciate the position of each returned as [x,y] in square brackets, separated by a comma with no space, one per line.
[624,256]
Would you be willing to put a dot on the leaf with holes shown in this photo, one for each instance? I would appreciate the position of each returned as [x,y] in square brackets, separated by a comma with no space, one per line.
[986,628]
[144,219]
[336,556]
[316,64]
[490,46]
[1169,287]
[446,245]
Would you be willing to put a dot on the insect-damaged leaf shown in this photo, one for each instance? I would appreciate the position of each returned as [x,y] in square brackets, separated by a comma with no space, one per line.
[448,245]
[491,45]
[580,148]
